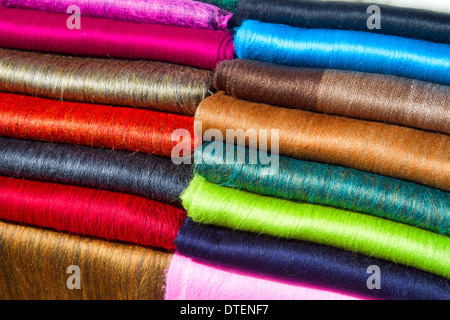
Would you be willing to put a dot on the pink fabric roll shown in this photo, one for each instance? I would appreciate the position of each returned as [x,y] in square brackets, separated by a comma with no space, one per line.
[183,13]
[43,31]
[188,279]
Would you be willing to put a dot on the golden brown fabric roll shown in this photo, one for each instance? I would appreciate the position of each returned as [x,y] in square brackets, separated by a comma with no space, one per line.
[376,97]
[130,83]
[390,150]
[34,262]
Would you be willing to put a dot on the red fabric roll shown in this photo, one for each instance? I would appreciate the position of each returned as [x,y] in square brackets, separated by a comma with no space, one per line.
[100,214]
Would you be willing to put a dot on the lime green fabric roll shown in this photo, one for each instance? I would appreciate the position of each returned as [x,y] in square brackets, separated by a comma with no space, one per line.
[213,204]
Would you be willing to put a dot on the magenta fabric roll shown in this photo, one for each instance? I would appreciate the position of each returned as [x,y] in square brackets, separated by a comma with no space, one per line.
[188,279]
[183,13]
[43,31]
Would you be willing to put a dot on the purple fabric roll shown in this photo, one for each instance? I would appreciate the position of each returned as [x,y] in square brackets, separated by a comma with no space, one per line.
[184,13]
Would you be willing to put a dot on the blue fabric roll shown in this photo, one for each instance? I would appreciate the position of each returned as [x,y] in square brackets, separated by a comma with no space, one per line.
[307,263]
[341,49]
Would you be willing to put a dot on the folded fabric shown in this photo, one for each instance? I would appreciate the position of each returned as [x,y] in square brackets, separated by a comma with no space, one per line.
[379,148]
[183,13]
[139,174]
[403,22]
[43,31]
[432,5]
[100,126]
[38,264]
[139,84]
[101,214]
[342,49]
[226,4]
[188,279]
[209,203]
[308,263]
[365,96]
[317,183]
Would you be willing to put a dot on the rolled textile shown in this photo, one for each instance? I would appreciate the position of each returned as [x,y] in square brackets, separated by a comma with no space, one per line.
[101,214]
[139,174]
[209,203]
[43,31]
[140,84]
[431,5]
[366,96]
[333,186]
[134,130]
[226,4]
[343,49]
[36,265]
[188,279]
[308,263]
[313,14]
[183,13]
[389,150]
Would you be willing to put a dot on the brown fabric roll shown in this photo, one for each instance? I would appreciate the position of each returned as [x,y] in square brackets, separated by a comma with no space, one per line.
[34,262]
[390,150]
[357,95]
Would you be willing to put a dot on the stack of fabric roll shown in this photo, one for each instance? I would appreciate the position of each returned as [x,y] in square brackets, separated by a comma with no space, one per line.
[90,96]
[335,184]
[361,119]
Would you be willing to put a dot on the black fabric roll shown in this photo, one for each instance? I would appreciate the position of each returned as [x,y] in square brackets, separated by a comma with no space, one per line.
[144,175]
[403,22]
[309,263]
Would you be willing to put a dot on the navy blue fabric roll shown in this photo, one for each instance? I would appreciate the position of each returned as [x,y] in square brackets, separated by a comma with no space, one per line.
[307,263]
[403,22]
[144,175]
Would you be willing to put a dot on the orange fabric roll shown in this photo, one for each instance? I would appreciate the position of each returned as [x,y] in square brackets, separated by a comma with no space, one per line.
[390,150]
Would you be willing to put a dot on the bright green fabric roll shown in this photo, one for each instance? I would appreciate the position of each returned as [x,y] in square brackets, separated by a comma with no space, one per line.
[213,204]
[328,185]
